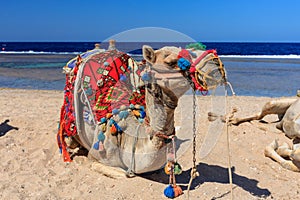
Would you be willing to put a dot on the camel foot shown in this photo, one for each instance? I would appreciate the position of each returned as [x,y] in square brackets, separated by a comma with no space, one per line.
[295,155]
[108,171]
[284,150]
[271,148]
[288,164]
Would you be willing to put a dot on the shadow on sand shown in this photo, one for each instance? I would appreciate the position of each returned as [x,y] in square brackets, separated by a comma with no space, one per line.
[5,127]
[211,173]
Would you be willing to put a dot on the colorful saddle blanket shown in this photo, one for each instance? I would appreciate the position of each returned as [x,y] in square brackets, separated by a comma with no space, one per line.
[108,80]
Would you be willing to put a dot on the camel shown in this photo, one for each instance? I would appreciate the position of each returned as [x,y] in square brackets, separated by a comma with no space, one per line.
[288,111]
[134,139]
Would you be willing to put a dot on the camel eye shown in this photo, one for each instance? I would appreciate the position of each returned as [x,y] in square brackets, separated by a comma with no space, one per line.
[172,63]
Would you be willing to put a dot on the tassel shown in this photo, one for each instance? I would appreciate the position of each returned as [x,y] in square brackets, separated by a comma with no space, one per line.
[103,128]
[96,145]
[168,168]
[103,120]
[169,192]
[177,190]
[101,146]
[136,113]
[113,130]
[177,169]
[108,115]
[101,136]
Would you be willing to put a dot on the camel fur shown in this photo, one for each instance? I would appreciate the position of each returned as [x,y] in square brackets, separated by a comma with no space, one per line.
[142,146]
[288,111]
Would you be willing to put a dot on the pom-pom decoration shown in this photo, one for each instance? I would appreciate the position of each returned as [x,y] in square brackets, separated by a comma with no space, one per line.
[146,76]
[101,136]
[123,78]
[96,145]
[177,190]
[113,130]
[183,64]
[103,120]
[177,169]
[168,168]
[123,114]
[106,64]
[101,146]
[169,192]
[115,111]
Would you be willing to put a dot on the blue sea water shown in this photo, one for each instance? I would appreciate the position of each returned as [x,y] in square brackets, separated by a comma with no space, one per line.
[254,69]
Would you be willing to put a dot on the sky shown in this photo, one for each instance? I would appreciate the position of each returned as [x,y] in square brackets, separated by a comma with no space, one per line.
[202,20]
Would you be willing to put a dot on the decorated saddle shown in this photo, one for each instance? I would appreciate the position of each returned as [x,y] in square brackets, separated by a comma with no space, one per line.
[107,80]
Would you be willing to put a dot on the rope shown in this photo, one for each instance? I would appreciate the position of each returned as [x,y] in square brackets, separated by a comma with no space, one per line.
[130,172]
[194,172]
[229,162]
[228,146]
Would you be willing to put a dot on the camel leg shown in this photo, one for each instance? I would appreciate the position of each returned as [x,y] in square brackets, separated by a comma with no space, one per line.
[270,151]
[112,172]
[278,107]
[284,150]
[295,155]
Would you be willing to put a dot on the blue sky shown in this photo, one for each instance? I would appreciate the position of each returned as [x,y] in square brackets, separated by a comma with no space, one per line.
[203,20]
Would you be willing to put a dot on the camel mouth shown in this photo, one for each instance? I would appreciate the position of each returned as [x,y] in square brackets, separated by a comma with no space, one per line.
[204,73]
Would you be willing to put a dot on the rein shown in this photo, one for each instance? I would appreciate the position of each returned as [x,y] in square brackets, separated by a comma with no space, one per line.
[193,71]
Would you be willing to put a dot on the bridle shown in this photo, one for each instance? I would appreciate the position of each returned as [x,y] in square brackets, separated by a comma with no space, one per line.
[194,72]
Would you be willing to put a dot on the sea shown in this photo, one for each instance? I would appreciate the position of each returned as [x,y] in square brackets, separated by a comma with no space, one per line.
[253,69]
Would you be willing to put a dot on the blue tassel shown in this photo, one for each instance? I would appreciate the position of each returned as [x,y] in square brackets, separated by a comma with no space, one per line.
[123,77]
[142,114]
[89,91]
[169,192]
[141,120]
[131,106]
[103,120]
[142,108]
[146,77]
[101,136]
[115,111]
[123,114]
[118,127]
[183,64]
[111,122]
[106,64]
[96,145]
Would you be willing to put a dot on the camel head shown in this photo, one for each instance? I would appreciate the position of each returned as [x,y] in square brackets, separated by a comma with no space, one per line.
[170,69]
[173,72]
[163,63]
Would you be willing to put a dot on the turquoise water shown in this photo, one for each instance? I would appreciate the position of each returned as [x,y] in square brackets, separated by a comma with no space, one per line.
[254,69]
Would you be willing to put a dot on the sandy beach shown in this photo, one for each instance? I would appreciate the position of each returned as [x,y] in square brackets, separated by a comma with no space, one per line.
[32,168]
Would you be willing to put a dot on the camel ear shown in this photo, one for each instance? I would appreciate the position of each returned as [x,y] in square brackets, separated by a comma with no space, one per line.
[148,54]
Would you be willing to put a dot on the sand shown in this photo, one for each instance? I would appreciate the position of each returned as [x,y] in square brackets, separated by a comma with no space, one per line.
[32,168]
